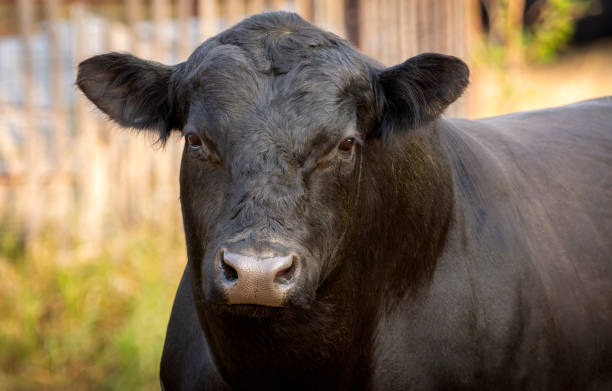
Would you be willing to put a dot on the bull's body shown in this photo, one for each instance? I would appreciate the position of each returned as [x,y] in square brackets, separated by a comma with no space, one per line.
[520,296]
[341,235]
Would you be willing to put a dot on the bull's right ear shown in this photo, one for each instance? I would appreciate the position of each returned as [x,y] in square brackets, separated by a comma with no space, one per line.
[132,92]
[418,90]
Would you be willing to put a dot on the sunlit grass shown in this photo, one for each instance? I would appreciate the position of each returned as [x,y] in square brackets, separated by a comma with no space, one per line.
[71,321]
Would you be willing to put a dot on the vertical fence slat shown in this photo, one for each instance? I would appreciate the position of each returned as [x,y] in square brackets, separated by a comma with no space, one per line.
[435,25]
[160,24]
[133,16]
[386,32]
[184,37]
[397,31]
[414,27]
[131,179]
[33,153]
[61,197]
[319,16]
[335,17]
[208,11]
[408,28]
[369,28]
[160,170]
[450,27]
[90,188]
[255,6]
[234,11]
[422,40]
[469,27]
[278,5]
[304,9]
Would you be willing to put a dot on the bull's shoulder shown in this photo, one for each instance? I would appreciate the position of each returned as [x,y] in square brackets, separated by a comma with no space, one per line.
[552,156]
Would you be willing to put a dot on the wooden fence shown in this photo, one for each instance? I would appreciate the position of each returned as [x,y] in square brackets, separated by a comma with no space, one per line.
[64,168]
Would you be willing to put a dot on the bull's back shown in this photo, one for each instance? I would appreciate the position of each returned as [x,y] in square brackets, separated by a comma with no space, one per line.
[551,171]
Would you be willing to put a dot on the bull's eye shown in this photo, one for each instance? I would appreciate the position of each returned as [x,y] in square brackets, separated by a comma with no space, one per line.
[347,144]
[195,142]
[201,149]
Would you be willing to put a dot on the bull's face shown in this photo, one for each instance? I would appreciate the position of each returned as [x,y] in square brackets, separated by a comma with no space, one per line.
[270,169]
[276,116]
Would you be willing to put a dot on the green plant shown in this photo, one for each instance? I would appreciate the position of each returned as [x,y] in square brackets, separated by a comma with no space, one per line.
[85,323]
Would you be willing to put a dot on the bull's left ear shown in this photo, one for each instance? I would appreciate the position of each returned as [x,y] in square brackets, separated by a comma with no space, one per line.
[134,93]
[418,90]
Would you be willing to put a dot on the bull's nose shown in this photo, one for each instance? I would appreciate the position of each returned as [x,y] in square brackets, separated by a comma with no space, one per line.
[249,279]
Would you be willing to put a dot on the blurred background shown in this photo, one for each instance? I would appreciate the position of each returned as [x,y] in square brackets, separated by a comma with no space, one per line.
[91,243]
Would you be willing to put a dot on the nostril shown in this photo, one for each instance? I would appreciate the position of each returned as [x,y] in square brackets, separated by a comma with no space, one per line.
[230,274]
[285,276]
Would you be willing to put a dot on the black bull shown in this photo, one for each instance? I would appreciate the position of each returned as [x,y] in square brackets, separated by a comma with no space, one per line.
[340,234]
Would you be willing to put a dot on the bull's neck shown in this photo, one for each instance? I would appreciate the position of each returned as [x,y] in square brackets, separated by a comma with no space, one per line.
[312,348]
[405,222]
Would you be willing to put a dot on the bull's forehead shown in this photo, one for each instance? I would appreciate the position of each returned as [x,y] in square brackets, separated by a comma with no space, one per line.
[232,98]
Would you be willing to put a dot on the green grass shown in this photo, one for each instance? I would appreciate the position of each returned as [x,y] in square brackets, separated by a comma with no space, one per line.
[69,320]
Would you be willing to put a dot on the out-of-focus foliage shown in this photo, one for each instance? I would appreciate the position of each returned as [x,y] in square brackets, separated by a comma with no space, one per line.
[515,68]
[70,321]
[548,31]
[553,29]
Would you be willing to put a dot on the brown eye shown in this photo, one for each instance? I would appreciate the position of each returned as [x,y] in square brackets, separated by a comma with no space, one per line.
[346,144]
[195,142]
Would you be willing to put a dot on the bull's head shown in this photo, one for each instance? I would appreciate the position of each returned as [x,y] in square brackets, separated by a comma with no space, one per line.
[285,129]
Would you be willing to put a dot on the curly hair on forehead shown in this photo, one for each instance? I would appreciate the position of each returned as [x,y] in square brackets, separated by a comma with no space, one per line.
[278,41]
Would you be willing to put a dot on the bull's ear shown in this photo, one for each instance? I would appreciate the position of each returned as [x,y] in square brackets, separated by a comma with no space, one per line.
[418,90]
[132,92]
